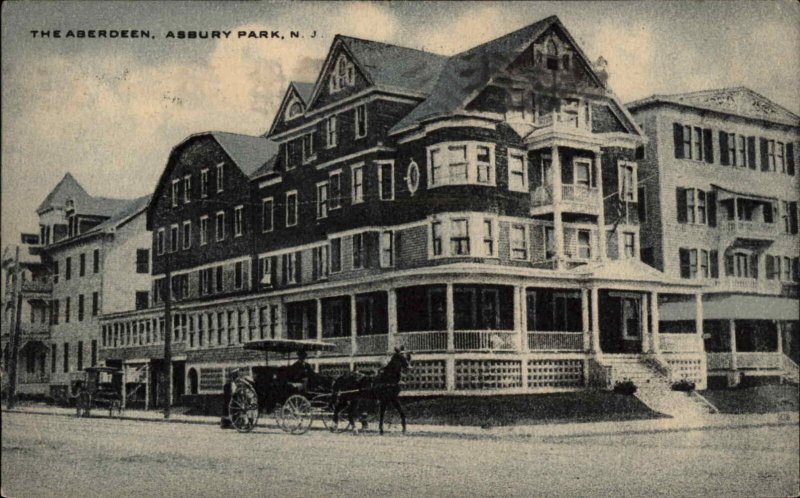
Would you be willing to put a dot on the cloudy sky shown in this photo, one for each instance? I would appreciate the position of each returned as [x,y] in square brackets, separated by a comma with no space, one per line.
[109,111]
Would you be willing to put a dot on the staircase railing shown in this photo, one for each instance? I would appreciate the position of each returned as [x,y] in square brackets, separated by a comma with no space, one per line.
[660,365]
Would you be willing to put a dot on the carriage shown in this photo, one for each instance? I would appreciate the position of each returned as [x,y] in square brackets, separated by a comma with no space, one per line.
[272,389]
[98,387]
[296,404]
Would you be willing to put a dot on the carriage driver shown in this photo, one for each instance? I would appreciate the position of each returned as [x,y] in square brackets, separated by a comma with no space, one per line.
[300,370]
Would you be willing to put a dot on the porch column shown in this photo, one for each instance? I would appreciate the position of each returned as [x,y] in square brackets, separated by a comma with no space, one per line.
[450,317]
[601,213]
[124,393]
[647,340]
[558,226]
[587,342]
[654,333]
[778,330]
[517,316]
[523,319]
[391,318]
[595,294]
[147,385]
[318,303]
[353,326]
[698,315]
[732,340]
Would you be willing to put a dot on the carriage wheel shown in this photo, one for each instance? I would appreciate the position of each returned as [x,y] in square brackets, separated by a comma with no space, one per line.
[83,404]
[296,414]
[323,407]
[115,408]
[243,409]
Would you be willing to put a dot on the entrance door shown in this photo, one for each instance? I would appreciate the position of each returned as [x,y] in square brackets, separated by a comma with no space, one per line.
[620,322]
[178,381]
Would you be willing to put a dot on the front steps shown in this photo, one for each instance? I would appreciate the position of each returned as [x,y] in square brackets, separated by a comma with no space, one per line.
[654,388]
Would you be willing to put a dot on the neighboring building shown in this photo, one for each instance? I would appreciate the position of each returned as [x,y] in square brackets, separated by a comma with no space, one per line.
[32,296]
[480,210]
[720,187]
[98,253]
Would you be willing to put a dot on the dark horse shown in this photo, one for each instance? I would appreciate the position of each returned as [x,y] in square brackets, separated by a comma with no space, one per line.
[383,387]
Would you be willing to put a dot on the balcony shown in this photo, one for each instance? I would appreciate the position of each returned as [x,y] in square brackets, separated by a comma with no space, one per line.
[745,360]
[574,199]
[750,229]
[426,341]
[748,285]
[34,331]
[485,340]
[38,285]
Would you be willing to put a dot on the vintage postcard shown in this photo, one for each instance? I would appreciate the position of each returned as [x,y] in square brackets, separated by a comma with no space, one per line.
[400,248]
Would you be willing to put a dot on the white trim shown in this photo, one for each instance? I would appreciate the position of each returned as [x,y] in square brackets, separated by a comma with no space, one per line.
[270,182]
[525,181]
[175,193]
[492,117]
[238,219]
[187,189]
[161,250]
[204,185]
[217,237]
[354,155]
[525,241]
[450,122]
[313,156]
[353,168]
[177,228]
[271,200]
[338,174]
[203,231]
[205,266]
[380,178]
[471,165]
[333,118]
[355,122]
[286,208]
[319,214]
[634,181]
[220,177]
[184,244]
[382,250]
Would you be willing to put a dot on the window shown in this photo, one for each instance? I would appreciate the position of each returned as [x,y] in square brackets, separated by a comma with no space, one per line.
[361,121]
[80,307]
[517,172]
[696,143]
[142,300]
[238,221]
[386,180]
[342,75]
[295,109]
[461,163]
[203,230]
[629,244]
[741,150]
[701,207]
[320,269]
[549,243]
[335,190]
[187,189]
[68,268]
[336,255]
[696,206]
[220,226]
[267,214]
[519,246]
[687,142]
[780,164]
[331,132]
[488,237]
[582,172]
[771,155]
[219,283]
[95,303]
[82,265]
[358,183]
[67,310]
[56,271]
[204,183]
[96,261]
[238,275]
[584,247]
[291,208]
[459,237]
[142,261]
[291,155]
[204,277]
[66,357]
[359,255]
[220,177]
[322,200]
[387,248]
[176,186]
[290,268]
[187,234]
[308,148]
[787,269]
[160,241]
[436,237]
[94,352]
[627,181]
[173,238]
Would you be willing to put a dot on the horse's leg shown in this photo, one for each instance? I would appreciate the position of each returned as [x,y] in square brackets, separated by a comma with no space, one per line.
[396,404]
[351,413]
[382,409]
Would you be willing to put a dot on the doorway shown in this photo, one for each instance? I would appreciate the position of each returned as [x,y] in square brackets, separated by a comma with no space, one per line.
[621,318]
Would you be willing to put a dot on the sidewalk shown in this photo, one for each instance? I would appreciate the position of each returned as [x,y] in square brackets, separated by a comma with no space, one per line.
[568,429]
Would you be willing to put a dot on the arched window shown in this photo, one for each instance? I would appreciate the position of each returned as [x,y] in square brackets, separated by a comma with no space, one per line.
[193,381]
[343,74]
[295,109]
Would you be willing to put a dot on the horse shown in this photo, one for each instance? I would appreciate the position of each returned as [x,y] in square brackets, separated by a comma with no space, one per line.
[383,387]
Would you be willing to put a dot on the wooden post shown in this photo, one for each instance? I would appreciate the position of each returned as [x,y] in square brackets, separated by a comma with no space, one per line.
[523,315]
[391,316]
[596,349]
[601,215]
[654,316]
[647,342]
[698,318]
[353,326]
[587,342]
[558,226]
[450,318]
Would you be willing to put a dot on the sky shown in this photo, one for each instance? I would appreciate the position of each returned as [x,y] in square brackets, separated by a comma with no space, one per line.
[109,111]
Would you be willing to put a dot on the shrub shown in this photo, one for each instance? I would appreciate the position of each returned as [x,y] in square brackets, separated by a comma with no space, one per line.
[683,385]
[626,387]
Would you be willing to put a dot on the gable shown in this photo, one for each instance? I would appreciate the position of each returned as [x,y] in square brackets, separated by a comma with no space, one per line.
[340,78]
[741,101]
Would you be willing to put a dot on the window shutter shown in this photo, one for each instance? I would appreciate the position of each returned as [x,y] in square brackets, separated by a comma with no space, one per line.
[314,263]
[764,159]
[729,265]
[724,157]
[754,265]
[684,258]
[751,152]
[274,270]
[711,208]
[790,158]
[680,194]
[770,267]
[768,212]
[713,256]
[284,272]
[796,269]
[677,136]
[298,266]
[708,145]
[793,217]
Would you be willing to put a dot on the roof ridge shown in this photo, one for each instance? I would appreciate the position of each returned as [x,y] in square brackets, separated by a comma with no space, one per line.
[540,22]
[390,45]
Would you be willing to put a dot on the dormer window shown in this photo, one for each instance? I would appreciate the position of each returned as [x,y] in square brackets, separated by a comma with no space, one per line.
[342,76]
[551,55]
[294,110]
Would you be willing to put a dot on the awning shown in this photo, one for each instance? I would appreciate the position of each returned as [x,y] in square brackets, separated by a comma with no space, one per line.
[735,307]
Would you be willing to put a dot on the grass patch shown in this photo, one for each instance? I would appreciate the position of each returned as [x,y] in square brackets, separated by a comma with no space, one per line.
[528,409]
[755,399]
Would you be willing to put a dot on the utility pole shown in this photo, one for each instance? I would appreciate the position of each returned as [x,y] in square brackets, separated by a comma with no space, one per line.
[12,360]
[167,339]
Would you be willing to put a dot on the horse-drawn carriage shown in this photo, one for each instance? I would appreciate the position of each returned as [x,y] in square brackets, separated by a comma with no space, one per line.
[98,387]
[296,400]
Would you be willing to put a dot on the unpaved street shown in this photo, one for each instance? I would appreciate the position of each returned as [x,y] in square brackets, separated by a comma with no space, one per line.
[58,456]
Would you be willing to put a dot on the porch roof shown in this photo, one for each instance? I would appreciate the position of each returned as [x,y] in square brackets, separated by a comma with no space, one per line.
[629,270]
[735,307]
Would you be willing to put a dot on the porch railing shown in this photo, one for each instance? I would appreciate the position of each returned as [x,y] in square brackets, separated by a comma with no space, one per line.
[759,360]
[34,378]
[748,227]
[719,361]
[343,346]
[555,341]
[680,343]
[423,341]
[485,340]
[579,193]
[372,344]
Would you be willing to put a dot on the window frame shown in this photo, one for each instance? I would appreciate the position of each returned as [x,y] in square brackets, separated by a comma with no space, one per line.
[219,237]
[440,170]
[634,181]
[512,229]
[358,256]
[335,201]
[238,221]
[175,192]
[204,183]
[186,236]
[174,238]
[387,256]
[220,177]
[381,166]
[337,241]
[204,230]
[331,132]
[187,189]
[160,241]
[356,134]
[308,152]
[513,174]
[322,190]
[359,167]
[293,195]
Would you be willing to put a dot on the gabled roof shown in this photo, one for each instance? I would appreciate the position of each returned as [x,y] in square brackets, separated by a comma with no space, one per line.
[470,71]
[740,101]
[304,89]
[628,270]
[248,152]
[266,169]
[69,189]
[128,211]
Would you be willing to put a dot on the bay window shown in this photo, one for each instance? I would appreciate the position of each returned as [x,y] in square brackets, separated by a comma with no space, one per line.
[517,171]
[459,237]
[461,163]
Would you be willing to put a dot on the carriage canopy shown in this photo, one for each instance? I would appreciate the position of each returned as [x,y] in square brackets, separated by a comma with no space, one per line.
[288,345]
